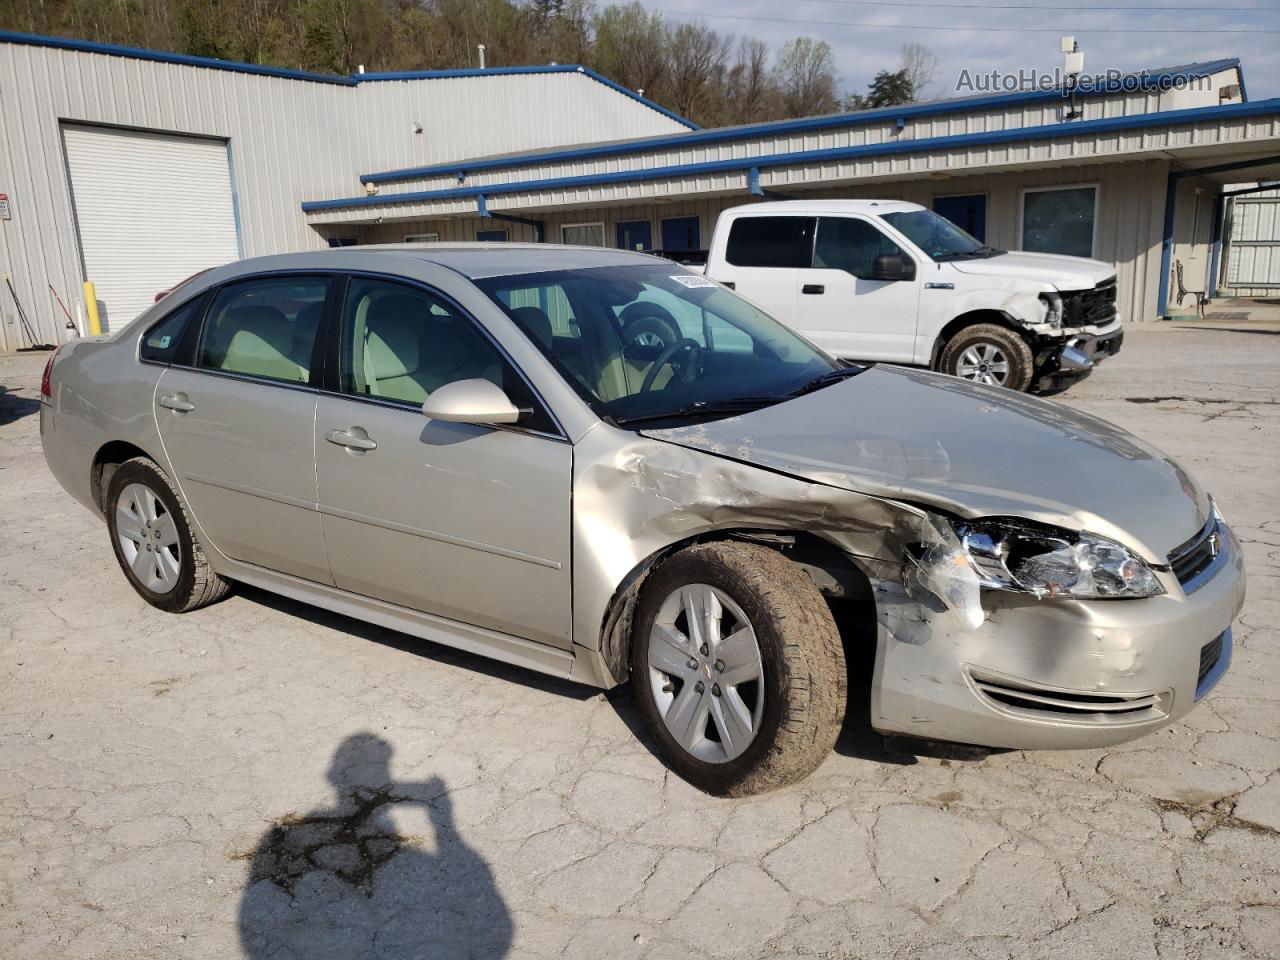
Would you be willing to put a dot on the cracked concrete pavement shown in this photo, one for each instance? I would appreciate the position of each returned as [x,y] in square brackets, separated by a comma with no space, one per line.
[165,781]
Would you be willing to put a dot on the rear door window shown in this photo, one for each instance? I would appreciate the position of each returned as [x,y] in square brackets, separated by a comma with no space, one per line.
[771,242]
[265,327]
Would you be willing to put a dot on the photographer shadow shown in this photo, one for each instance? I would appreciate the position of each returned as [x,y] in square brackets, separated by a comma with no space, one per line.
[342,882]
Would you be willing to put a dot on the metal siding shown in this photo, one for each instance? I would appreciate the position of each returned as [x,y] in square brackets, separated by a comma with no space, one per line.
[292,140]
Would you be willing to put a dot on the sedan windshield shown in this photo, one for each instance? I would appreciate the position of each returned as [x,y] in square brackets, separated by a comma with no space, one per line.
[937,236]
[652,342]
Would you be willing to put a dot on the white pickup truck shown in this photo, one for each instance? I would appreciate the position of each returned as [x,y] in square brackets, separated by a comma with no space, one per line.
[893,281]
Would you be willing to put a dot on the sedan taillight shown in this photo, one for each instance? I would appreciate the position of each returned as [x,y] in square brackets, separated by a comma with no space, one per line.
[46,381]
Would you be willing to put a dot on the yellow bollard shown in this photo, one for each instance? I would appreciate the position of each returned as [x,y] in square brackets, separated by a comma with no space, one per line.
[91,309]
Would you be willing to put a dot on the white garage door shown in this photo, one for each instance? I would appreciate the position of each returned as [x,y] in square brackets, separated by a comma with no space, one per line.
[152,209]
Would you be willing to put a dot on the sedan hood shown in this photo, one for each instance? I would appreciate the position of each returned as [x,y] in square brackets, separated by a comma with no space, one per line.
[1065,273]
[970,450]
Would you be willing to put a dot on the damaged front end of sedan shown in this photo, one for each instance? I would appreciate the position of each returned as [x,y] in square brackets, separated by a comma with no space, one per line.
[996,631]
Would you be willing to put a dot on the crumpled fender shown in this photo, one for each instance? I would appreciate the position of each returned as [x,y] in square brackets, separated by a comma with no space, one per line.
[635,500]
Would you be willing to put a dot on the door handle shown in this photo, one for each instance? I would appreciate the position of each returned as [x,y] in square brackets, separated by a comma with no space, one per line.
[351,440]
[177,402]
[813,288]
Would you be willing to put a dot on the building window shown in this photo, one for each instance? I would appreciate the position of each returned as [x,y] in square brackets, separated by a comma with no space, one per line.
[343,241]
[491,236]
[1060,220]
[421,237]
[583,234]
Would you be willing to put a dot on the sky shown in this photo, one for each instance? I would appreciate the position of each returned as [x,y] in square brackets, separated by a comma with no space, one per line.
[980,38]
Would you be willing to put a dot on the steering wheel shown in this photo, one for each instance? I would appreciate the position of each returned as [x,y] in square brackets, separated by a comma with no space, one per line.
[685,370]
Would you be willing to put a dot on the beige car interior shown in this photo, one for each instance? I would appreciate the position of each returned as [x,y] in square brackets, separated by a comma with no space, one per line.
[259,340]
[407,345]
[595,357]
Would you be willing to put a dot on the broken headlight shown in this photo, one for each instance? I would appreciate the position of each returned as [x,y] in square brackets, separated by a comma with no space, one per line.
[1052,308]
[1013,554]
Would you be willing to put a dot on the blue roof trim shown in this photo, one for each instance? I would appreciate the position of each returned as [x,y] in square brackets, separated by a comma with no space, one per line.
[462,72]
[1045,132]
[512,71]
[756,131]
[182,59]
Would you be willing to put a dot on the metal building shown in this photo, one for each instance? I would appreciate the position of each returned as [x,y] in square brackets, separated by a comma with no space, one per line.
[134,169]
[113,164]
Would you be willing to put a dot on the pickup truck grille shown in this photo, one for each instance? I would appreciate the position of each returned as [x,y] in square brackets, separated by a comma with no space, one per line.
[1096,307]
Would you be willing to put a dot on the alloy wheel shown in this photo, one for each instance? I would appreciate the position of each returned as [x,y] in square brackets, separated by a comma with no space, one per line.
[705,673]
[983,363]
[148,538]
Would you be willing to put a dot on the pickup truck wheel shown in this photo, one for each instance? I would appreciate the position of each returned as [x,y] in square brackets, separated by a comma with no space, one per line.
[152,538]
[990,354]
[738,668]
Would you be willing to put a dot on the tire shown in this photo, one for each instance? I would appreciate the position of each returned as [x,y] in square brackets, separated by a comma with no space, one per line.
[151,535]
[797,704]
[975,352]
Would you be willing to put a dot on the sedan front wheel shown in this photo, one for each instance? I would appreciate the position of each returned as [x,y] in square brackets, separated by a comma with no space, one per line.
[738,668]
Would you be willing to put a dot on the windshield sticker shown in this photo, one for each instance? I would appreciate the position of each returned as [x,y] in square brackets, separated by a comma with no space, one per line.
[692,280]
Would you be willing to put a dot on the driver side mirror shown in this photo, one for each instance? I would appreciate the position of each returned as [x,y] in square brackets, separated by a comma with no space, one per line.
[891,267]
[471,401]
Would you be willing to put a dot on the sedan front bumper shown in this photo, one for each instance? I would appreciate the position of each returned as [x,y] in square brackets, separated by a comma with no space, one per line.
[1043,674]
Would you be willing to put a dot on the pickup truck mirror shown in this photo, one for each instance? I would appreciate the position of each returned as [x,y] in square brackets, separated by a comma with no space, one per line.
[892,266]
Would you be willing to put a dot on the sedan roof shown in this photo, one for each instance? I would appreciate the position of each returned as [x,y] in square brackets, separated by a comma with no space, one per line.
[478,260]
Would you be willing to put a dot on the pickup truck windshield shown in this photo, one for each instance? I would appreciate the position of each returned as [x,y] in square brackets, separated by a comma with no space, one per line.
[652,343]
[937,236]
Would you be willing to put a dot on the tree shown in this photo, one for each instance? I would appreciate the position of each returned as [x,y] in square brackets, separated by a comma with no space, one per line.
[888,89]
[749,94]
[920,64]
[631,47]
[806,78]
[697,56]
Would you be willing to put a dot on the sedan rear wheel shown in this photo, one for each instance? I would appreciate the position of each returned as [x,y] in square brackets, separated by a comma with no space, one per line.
[152,538]
[738,668]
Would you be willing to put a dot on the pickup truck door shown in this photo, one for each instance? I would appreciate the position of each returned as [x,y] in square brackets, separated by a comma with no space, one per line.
[842,309]
[761,260]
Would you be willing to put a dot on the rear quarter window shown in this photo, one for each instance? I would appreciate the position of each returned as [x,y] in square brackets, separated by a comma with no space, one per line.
[160,343]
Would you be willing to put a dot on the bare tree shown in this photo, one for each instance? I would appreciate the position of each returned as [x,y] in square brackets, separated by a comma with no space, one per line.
[920,64]
[806,77]
[698,57]
[749,94]
[631,46]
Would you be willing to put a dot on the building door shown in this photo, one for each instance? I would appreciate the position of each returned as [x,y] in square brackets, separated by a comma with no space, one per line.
[681,233]
[969,213]
[1253,243]
[634,235]
[151,209]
